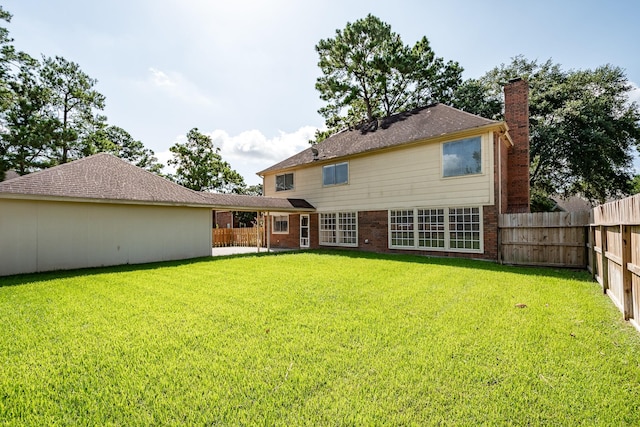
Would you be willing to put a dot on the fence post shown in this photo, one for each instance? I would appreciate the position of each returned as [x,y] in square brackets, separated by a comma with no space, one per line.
[500,261]
[591,241]
[605,261]
[625,231]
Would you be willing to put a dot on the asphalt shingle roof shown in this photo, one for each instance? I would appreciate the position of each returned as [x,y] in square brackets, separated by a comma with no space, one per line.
[240,202]
[403,128]
[101,177]
[104,177]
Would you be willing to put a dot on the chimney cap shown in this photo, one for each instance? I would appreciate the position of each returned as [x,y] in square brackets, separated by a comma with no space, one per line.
[515,79]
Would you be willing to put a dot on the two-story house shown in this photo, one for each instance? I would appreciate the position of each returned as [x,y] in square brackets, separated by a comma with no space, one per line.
[429,181]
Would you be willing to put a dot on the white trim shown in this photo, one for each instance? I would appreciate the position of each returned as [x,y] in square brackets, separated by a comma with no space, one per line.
[334,165]
[273,219]
[447,231]
[482,157]
[293,182]
[305,246]
[320,230]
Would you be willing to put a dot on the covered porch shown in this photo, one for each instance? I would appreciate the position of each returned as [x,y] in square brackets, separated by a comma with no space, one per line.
[256,238]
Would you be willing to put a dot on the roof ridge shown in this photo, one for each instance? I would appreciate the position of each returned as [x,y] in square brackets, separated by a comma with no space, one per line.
[61,165]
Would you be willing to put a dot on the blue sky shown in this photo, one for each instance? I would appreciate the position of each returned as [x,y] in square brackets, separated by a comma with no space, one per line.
[244,71]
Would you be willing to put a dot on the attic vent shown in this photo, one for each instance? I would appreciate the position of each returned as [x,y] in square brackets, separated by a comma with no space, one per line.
[314,151]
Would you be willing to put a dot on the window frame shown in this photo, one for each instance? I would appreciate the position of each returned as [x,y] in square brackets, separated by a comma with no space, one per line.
[343,228]
[450,232]
[284,175]
[334,166]
[274,220]
[443,146]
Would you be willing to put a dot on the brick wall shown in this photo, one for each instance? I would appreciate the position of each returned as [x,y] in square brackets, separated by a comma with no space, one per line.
[516,112]
[290,240]
[373,228]
[373,231]
[223,219]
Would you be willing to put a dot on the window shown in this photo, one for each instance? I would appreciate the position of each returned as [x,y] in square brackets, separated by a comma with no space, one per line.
[464,228]
[284,182]
[401,228]
[455,229]
[335,174]
[431,228]
[462,157]
[281,224]
[339,229]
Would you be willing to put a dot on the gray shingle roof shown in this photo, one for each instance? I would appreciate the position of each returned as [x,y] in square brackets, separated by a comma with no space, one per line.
[10,174]
[104,177]
[242,202]
[403,128]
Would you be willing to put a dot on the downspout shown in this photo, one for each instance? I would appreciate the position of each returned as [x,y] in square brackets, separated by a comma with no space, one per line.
[499,148]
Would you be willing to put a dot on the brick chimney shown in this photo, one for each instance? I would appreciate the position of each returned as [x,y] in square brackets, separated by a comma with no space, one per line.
[516,114]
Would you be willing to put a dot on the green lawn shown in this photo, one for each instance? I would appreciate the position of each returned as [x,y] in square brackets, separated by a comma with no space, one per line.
[315,338]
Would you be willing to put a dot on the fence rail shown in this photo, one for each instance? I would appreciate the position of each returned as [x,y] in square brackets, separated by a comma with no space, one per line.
[237,236]
[552,239]
[614,243]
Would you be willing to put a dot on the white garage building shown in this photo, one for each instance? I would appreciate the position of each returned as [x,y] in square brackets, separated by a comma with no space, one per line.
[101,211]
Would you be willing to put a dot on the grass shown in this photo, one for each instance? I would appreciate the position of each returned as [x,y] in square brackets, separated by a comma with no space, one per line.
[315,338]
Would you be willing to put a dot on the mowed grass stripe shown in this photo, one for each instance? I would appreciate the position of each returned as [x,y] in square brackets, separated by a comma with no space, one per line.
[327,338]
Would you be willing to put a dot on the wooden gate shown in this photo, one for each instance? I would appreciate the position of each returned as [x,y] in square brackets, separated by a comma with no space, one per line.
[552,239]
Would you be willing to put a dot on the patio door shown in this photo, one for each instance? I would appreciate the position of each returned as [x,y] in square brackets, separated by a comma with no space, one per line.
[304,231]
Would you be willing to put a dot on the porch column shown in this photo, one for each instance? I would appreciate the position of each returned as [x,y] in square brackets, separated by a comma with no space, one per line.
[267,227]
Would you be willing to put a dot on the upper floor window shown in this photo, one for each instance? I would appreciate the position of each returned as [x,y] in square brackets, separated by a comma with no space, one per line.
[463,157]
[284,182]
[335,174]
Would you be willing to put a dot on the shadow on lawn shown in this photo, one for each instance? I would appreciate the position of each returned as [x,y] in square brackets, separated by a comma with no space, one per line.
[580,275]
[474,264]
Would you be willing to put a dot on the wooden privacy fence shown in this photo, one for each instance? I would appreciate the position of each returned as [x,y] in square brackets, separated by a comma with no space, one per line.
[237,236]
[614,243]
[552,239]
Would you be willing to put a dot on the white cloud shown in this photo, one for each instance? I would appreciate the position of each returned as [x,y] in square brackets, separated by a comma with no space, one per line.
[177,86]
[251,151]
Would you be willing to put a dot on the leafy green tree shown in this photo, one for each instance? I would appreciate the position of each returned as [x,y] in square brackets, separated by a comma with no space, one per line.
[248,219]
[7,56]
[119,142]
[12,64]
[478,97]
[368,73]
[583,128]
[29,129]
[74,102]
[49,114]
[635,184]
[199,165]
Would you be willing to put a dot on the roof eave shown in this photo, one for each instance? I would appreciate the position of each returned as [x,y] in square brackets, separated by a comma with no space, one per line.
[263,208]
[48,198]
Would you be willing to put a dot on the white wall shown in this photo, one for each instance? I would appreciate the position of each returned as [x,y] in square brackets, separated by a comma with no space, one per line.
[403,177]
[42,236]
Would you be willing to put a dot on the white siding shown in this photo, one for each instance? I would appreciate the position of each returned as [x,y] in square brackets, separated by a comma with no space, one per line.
[42,236]
[409,176]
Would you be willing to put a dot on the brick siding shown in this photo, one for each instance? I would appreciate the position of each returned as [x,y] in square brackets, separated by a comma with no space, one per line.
[516,101]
